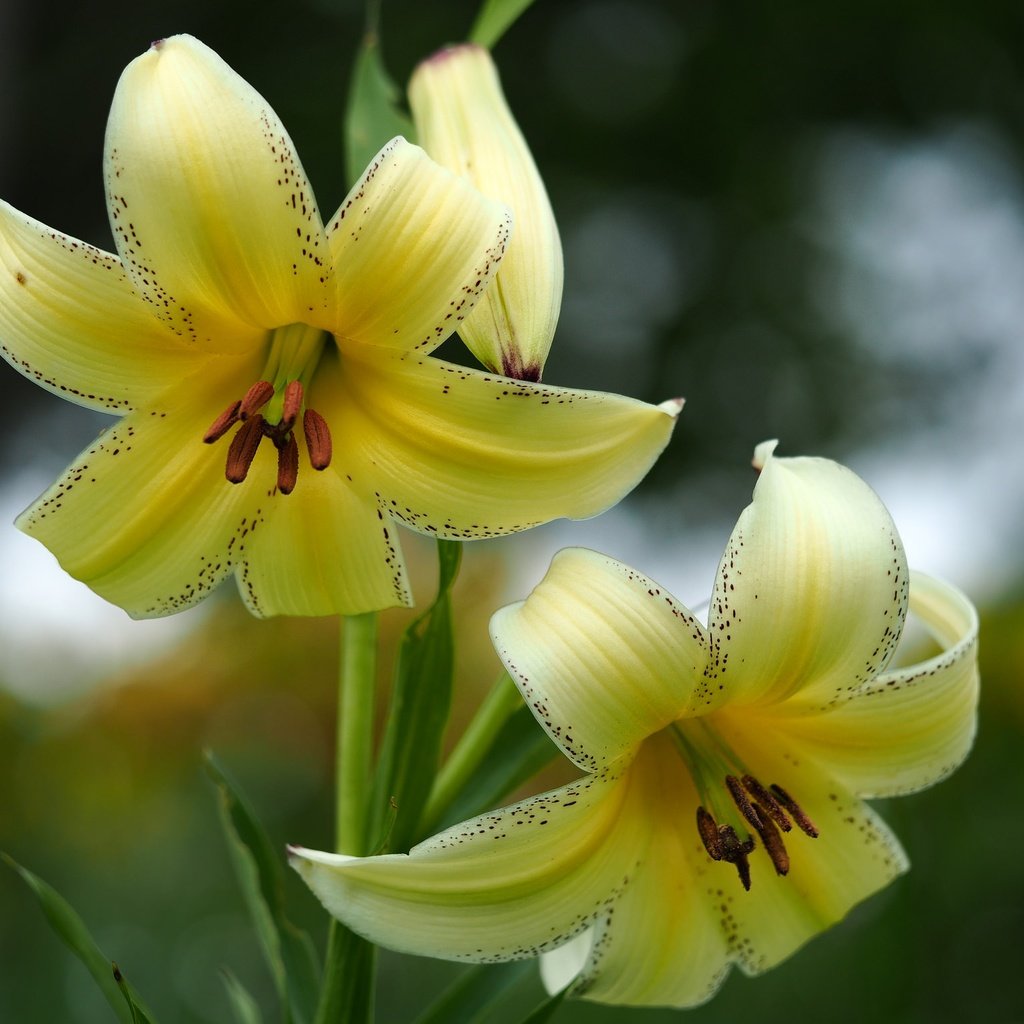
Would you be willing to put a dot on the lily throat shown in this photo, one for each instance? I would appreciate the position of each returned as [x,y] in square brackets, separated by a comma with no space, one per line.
[270,409]
[735,805]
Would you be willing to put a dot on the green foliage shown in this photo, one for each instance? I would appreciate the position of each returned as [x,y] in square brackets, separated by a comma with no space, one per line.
[349,981]
[289,951]
[244,1006]
[495,19]
[373,115]
[475,993]
[72,930]
[420,704]
[547,1009]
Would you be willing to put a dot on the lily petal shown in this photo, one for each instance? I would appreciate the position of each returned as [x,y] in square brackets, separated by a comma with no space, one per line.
[503,886]
[461,454]
[604,656]
[71,320]
[910,727]
[324,549]
[414,247]
[811,593]
[661,943]
[854,856]
[463,122]
[212,214]
[145,517]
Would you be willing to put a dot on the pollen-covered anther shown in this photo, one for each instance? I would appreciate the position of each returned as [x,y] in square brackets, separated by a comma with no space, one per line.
[773,844]
[736,852]
[255,398]
[766,803]
[708,830]
[243,449]
[287,465]
[796,812]
[742,801]
[292,398]
[318,439]
[223,423]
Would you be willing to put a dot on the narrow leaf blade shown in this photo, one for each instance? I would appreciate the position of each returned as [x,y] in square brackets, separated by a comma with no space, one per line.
[495,19]
[475,992]
[242,1004]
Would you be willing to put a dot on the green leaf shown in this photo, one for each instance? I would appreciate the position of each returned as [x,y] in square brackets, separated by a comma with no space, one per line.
[494,20]
[72,930]
[518,752]
[373,116]
[348,994]
[244,1006]
[546,1010]
[475,992]
[420,703]
[288,950]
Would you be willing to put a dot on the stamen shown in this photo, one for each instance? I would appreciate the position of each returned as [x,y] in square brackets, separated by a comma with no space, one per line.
[708,829]
[736,852]
[742,802]
[318,439]
[243,449]
[222,424]
[773,843]
[255,398]
[796,812]
[767,802]
[287,465]
[292,404]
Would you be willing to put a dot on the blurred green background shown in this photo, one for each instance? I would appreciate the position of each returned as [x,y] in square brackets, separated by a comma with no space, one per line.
[807,218]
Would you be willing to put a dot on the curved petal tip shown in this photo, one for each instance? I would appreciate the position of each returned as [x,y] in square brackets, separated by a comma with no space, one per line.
[763,452]
[672,406]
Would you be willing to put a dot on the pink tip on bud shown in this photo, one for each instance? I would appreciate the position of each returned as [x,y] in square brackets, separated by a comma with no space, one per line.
[672,406]
[318,439]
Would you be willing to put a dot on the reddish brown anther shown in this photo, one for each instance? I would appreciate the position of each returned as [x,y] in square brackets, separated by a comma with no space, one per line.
[767,803]
[292,404]
[255,398]
[742,801]
[287,465]
[244,446]
[222,424]
[736,852]
[773,844]
[318,439]
[708,830]
[796,812]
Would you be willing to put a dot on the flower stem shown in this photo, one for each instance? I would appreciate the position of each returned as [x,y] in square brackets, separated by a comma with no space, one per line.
[471,748]
[347,994]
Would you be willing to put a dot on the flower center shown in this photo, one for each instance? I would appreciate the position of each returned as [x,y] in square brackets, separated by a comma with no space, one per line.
[739,803]
[271,407]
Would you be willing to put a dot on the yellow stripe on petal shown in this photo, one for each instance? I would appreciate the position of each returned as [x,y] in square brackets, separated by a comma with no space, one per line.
[465,124]
[604,656]
[811,593]
[211,210]
[414,247]
[146,517]
[461,454]
[910,727]
[324,551]
[504,886]
[71,320]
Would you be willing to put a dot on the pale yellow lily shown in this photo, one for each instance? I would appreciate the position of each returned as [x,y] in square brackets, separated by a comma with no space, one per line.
[464,123]
[721,820]
[231,308]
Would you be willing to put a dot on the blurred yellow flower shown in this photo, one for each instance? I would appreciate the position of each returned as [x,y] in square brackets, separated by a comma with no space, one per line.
[230,307]
[746,743]
[464,123]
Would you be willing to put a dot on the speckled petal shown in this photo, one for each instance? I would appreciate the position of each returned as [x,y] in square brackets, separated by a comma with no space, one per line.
[604,656]
[504,886]
[146,517]
[811,593]
[211,210]
[462,454]
[71,320]
[463,122]
[324,549]
[854,856]
[414,247]
[912,726]
[661,943]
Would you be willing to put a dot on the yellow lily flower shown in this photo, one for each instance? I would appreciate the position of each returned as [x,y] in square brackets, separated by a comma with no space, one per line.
[231,309]
[721,818]
[464,123]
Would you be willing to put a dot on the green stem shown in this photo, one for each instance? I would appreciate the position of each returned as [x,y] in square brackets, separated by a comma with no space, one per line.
[481,732]
[347,994]
[356,688]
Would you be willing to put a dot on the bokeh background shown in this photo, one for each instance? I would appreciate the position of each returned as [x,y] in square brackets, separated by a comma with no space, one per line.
[806,218]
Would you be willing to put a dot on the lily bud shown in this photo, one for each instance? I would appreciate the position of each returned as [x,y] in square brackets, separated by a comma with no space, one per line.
[464,123]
